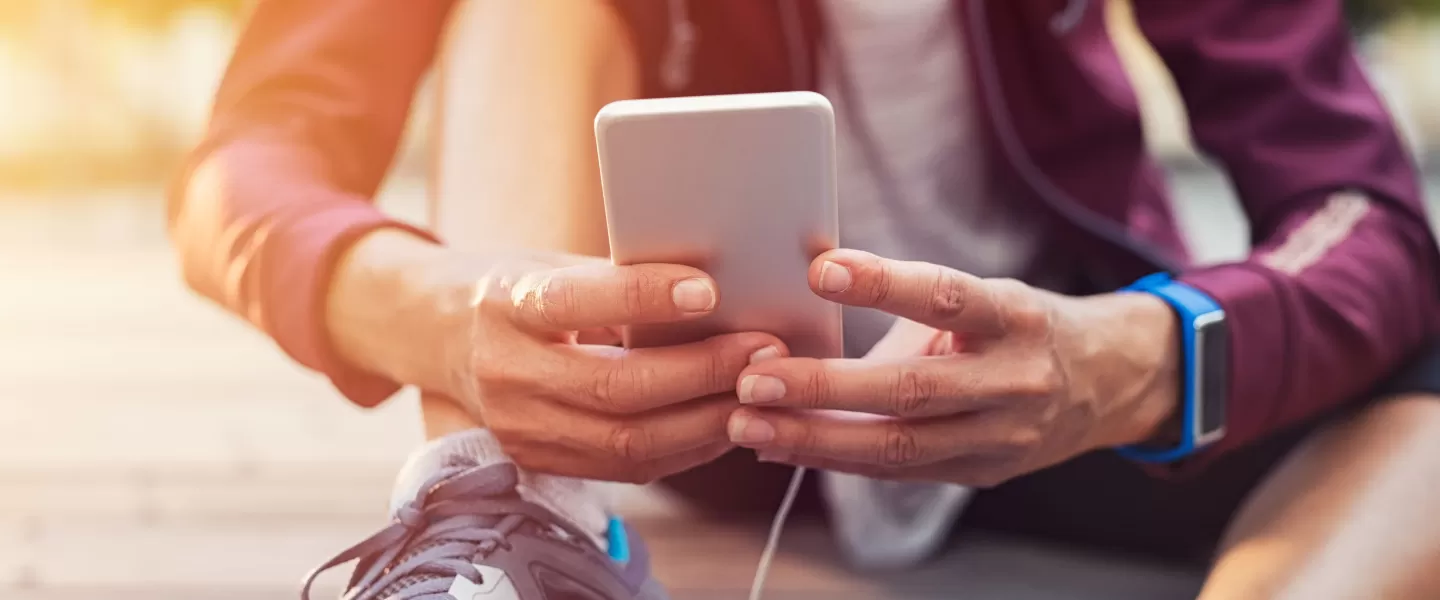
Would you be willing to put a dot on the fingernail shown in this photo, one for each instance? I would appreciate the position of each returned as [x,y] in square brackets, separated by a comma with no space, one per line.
[745,429]
[693,295]
[764,354]
[834,278]
[759,389]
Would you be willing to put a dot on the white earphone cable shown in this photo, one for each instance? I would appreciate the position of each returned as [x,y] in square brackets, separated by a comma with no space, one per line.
[772,542]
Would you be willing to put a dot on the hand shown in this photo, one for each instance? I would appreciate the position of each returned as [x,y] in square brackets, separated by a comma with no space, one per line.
[525,346]
[992,379]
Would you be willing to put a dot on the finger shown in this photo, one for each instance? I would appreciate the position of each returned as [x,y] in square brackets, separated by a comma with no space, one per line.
[920,387]
[863,439]
[615,380]
[877,441]
[931,294]
[974,471]
[595,296]
[647,436]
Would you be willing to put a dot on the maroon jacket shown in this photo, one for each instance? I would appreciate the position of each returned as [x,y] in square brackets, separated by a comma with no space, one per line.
[1341,286]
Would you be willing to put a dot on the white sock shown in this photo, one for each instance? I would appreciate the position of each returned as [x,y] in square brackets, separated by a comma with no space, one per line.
[580,502]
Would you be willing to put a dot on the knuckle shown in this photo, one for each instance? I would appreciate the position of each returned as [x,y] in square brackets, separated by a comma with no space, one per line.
[534,295]
[949,296]
[1020,309]
[911,393]
[1039,378]
[882,286]
[816,390]
[807,441]
[717,372]
[551,299]
[630,443]
[604,386]
[640,290]
[900,448]
[617,384]
[558,298]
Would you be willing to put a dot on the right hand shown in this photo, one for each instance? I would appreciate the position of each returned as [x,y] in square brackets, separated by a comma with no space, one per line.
[541,371]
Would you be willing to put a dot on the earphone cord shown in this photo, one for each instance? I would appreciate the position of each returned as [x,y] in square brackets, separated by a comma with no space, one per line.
[772,542]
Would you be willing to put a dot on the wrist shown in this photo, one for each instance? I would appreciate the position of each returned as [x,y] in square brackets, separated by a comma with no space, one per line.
[388,313]
[1142,352]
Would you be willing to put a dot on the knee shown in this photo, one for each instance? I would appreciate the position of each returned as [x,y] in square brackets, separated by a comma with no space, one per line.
[1400,426]
[1348,512]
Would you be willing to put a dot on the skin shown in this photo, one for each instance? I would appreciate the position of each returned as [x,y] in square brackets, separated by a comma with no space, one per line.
[986,379]
[980,381]
[1349,514]
[511,328]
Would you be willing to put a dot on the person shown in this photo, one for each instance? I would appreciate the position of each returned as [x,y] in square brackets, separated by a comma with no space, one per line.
[995,197]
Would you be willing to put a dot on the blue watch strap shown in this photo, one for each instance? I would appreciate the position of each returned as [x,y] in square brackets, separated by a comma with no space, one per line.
[1193,308]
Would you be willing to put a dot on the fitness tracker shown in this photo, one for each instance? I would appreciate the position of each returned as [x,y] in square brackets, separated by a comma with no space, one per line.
[1205,374]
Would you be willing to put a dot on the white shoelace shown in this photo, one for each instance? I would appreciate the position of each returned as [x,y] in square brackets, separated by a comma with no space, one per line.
[772,542]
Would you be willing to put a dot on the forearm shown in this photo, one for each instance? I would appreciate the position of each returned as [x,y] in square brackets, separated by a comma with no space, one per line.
[303,128]
[258,232]
[516,174]
[390,312]
[1323,311]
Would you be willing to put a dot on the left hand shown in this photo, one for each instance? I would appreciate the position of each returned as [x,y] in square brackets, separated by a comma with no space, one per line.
[989,379]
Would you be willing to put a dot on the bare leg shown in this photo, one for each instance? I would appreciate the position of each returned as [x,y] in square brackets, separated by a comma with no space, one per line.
[1349,514]
[515,145]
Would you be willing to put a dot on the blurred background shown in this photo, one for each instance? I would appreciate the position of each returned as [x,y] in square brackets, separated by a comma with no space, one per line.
[152,447]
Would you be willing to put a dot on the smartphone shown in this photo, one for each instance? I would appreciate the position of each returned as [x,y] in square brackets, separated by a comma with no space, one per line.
[739,186]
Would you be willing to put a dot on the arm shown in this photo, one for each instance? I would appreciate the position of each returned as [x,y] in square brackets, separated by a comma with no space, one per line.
[1000,379]
[273,222]
[303,129]
[515,171]
[272,218]
[1341,283]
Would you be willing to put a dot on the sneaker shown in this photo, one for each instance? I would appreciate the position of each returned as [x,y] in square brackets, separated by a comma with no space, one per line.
[890,524]
[468,535]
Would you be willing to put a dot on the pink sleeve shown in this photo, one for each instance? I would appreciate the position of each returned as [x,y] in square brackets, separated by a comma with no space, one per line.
[304,127]
[1341,285]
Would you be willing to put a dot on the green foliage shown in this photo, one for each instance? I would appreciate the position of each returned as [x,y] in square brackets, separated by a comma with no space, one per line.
[1366,14]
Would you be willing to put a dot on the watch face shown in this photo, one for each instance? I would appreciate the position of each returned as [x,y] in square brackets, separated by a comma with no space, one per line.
[1212,369]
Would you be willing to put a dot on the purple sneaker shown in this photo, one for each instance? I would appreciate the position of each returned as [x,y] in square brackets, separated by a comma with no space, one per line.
[469,536]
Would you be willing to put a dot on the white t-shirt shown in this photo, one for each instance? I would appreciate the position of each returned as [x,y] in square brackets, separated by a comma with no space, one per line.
[906,65]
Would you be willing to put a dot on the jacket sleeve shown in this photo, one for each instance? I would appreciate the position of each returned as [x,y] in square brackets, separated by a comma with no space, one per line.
[1341,283]
[303,130]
